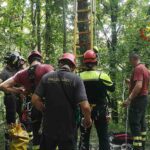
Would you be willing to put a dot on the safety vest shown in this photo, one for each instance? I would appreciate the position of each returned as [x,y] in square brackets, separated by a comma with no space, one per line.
[97,84]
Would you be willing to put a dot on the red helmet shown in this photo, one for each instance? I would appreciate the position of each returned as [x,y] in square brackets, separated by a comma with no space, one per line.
[34,54]
[90,57]
[68,56]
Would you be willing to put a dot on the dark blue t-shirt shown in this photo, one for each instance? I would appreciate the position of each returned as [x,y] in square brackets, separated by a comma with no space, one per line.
[59,114]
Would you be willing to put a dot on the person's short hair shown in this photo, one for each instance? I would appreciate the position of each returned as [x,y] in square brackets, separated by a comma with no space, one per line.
[147,65]
[65,62]
[134,56]
[34,59]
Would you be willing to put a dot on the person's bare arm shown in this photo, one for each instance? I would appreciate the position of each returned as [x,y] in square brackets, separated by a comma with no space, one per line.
[134,93]
[136,90]
[37,102]
[127,81]
[86,111]
[8,86]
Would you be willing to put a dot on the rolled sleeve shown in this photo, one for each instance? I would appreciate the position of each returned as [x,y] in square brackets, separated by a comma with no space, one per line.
[138,74]
[106,79]
[17,78]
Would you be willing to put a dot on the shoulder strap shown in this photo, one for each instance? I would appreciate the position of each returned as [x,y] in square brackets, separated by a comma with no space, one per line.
[64,91]
[31,75]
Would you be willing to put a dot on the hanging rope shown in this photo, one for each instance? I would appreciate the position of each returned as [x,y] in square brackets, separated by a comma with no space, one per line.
[127,114]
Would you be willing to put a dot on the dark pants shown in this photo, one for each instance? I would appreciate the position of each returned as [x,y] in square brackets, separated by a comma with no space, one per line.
[13,104]
[36,117]
[51,144]
[101,124]
[137,122]
[31,118]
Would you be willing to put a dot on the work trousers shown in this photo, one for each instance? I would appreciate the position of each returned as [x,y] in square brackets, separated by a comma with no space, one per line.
[137,122]
[99,117]
[12,104]
[51,144]
[36,117]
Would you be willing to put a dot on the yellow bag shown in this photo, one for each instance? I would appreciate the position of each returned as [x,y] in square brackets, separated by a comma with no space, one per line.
[19,137]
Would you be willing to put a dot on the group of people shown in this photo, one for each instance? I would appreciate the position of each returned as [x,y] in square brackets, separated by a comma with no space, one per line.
[63,102]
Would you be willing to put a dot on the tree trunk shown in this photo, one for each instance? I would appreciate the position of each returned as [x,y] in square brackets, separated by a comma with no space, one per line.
[64,26]
[48,32]
[38,5]
[112,53]
[33,22]
[22,21]
[84,39]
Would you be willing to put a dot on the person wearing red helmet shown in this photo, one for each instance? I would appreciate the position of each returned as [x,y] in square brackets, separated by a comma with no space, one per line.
[63,91]
[29,78]
[97,83]
[34,55]
[90,57]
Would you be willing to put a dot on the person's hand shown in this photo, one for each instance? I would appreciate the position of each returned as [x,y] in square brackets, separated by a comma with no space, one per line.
[87,122]
[127,81]
[108,118]
[20,90]
[126,103]
[40,106]
[22,97]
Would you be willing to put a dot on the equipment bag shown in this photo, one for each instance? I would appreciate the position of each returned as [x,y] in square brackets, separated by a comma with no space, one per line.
[120,138]
[19,137]
[121,141]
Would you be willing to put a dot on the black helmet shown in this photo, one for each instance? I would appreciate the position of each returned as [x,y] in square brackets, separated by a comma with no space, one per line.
[12,58]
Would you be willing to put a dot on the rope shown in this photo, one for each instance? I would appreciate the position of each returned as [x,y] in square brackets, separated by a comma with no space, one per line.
[126,138]
[123,90]
[127,113]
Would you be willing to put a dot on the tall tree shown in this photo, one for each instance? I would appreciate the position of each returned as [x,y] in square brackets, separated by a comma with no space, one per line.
[48,30]
[112,50]
[64,26]
[33,22]
[38,5]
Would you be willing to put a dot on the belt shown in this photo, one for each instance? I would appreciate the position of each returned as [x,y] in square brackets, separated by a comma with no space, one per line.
[98,106]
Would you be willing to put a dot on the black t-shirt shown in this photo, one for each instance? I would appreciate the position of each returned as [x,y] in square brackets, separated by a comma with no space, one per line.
[59,114]
[6,73]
